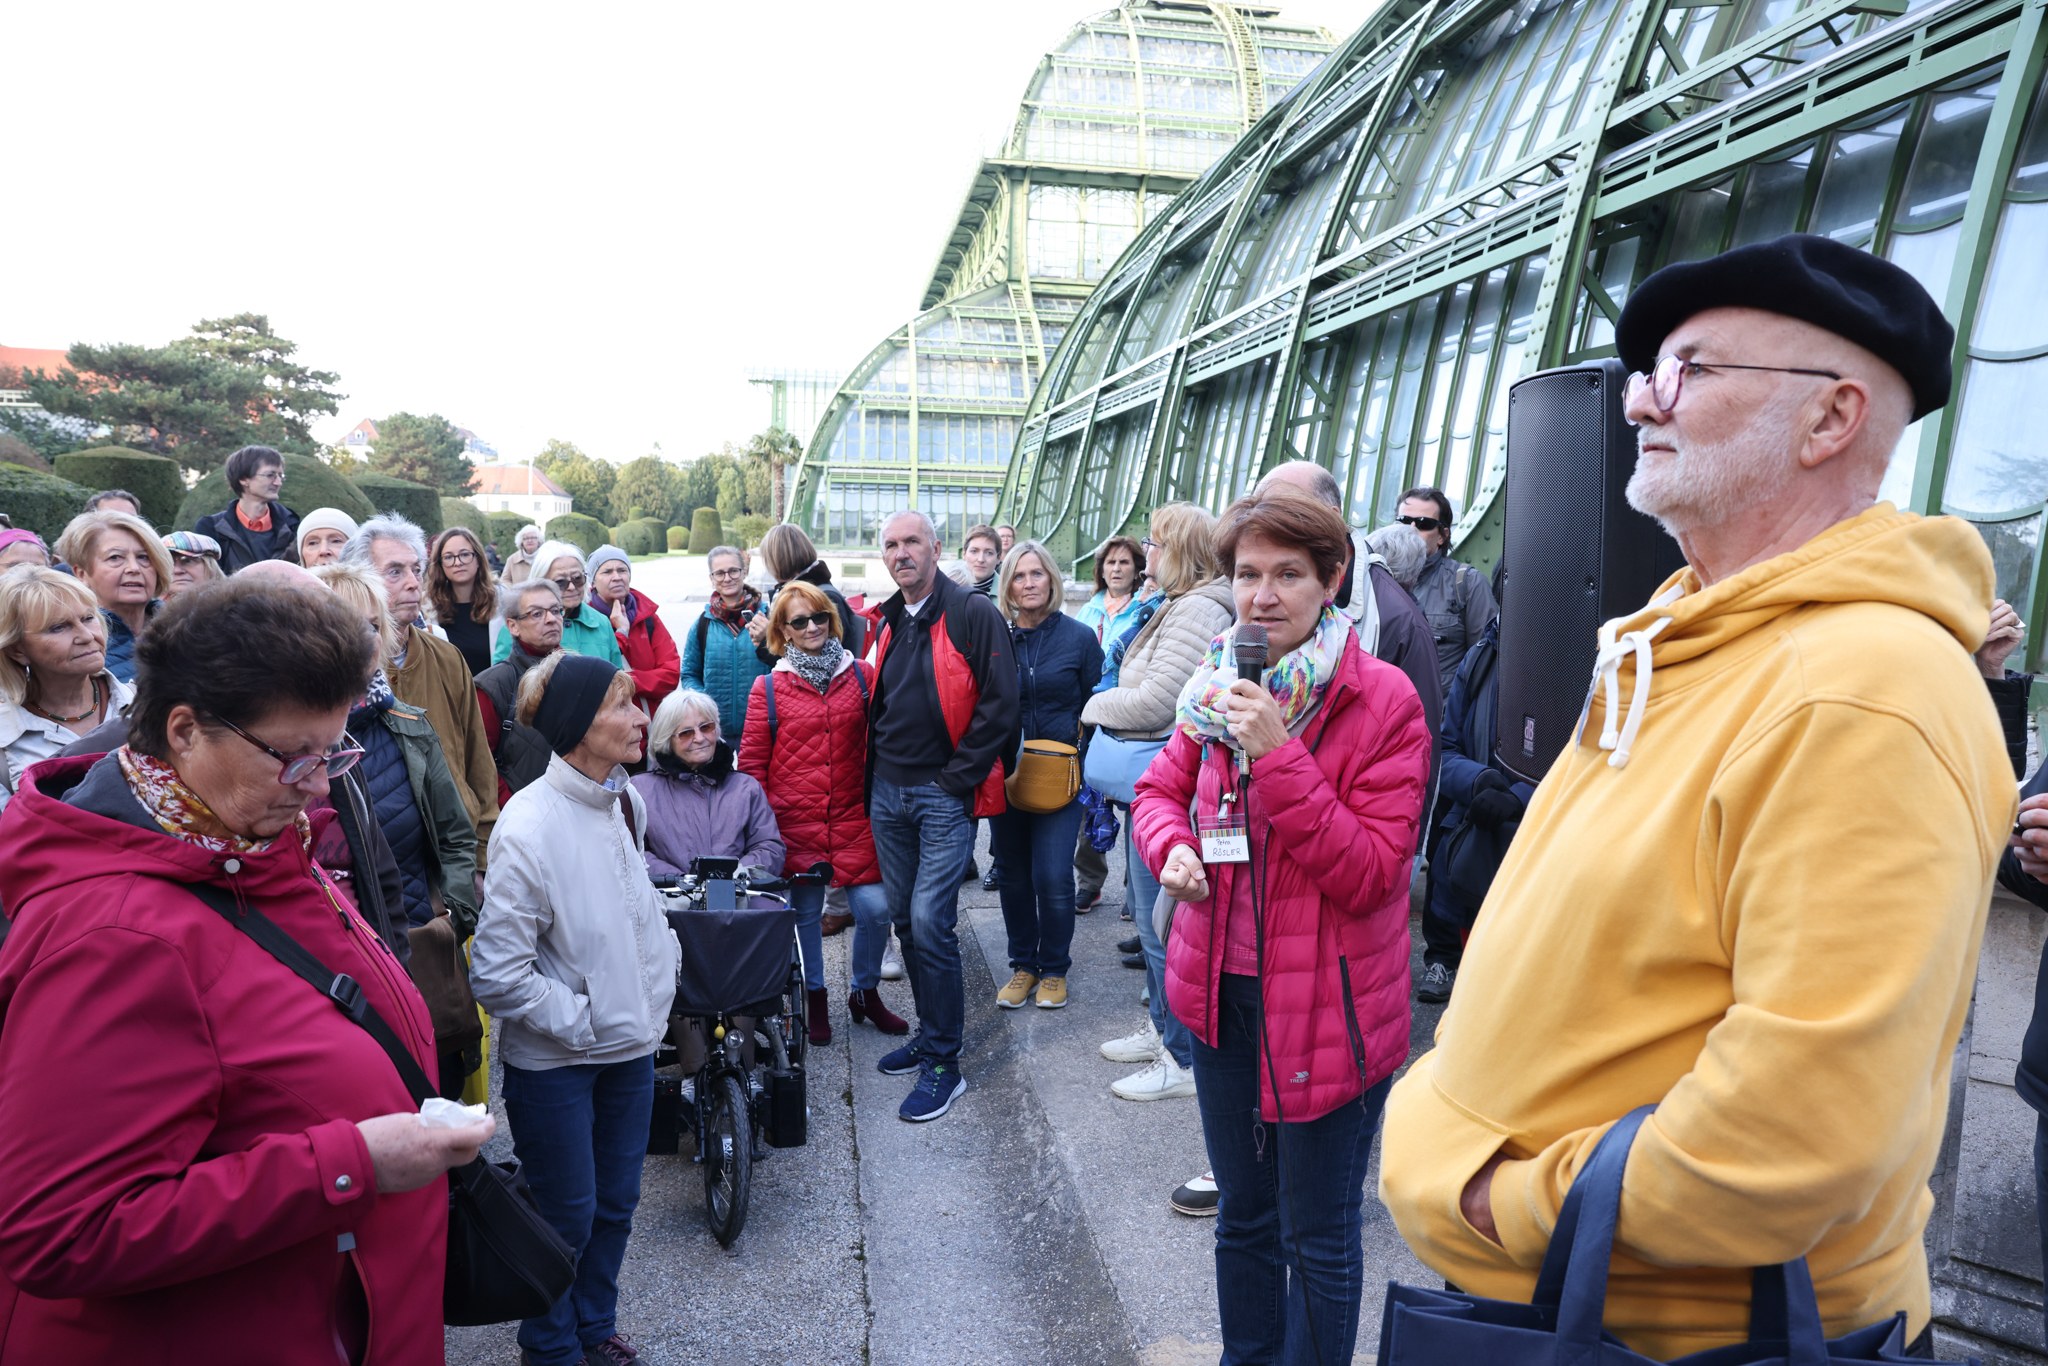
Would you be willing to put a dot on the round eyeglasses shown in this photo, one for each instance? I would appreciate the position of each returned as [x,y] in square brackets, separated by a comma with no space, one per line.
[296,768]
[1667,377]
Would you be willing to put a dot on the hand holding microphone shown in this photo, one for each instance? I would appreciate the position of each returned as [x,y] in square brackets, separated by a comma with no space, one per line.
[1254,716]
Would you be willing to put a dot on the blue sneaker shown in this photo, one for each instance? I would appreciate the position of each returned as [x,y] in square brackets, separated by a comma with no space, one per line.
[899,1061]
[938,1086]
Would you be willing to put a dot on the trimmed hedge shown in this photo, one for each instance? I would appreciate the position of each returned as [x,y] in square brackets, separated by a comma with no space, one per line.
[748,528]
[678,538]
[641,536]
[462,512]
[154,479]
[308,484]
[705,530]
[585,533]
[42,503]
[505,530]
[416,503]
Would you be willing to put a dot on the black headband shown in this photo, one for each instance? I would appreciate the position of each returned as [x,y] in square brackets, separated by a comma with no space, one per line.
[574,693]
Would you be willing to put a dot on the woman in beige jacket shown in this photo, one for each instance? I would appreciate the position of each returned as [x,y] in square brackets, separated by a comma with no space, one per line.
[1180,557]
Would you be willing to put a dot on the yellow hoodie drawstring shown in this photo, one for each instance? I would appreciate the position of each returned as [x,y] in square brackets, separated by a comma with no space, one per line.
[1607,673]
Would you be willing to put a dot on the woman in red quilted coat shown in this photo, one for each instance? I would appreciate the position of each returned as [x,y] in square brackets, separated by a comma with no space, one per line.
[1287,957]
[806,742]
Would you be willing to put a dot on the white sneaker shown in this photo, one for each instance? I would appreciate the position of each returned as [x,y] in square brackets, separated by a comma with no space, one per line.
[1142,1046]
[1165,1079]
[892,962]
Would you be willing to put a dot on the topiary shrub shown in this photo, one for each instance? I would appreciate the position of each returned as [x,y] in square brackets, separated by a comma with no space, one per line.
[678,538]
[635,538]
[152,478]
[416,503]
[308,484]
[585,533]
[706,530]
[505,530]
[15,451]
[461,512]
[657,532]
[43,503]
[748,528]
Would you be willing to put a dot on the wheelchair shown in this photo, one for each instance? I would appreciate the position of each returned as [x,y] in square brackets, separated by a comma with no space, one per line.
[731,1069]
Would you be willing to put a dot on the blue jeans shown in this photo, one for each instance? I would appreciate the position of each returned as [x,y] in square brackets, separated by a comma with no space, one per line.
[870,907]
[1142,891]
[581,1135]
[925,837]
[1036,854]
[1290,1258]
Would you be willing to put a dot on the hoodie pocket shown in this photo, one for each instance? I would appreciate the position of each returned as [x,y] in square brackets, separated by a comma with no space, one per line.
[1429,1149]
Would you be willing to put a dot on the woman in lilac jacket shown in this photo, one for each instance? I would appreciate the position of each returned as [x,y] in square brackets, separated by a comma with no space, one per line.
[1288,954]
[698,803]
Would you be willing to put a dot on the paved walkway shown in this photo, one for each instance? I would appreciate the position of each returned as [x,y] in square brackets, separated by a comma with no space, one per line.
[1029,1225]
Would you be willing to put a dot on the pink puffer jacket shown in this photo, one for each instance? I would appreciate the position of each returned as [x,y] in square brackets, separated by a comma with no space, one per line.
[1333,816]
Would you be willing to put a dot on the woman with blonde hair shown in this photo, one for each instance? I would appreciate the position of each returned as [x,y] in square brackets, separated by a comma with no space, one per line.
[463,595]
[119,557]
[807,744]
[1133,720]
[1058,664]
[54,682]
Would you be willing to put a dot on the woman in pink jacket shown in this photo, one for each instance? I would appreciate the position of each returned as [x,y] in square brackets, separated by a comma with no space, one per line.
[1288,955]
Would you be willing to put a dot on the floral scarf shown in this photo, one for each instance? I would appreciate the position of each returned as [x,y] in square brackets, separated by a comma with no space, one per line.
[180,811]
[1296,680]
[816,668]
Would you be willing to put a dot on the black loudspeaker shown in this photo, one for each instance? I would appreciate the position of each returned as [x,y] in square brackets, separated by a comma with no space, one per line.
[1577,554]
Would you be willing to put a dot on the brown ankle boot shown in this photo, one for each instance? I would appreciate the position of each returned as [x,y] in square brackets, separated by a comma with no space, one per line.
[830,924]
[867,1006]
[816,1016]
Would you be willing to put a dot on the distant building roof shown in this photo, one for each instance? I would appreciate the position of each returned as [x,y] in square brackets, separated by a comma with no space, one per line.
[515,480]
[364,433]
[15,359]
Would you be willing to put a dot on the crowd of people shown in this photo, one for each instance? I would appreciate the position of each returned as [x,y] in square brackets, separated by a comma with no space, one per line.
[385,745]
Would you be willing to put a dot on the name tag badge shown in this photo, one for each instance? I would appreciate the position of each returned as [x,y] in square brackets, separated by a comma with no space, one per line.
[1226,841]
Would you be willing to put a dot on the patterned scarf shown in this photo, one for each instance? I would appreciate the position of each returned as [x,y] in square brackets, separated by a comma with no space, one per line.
[816,668]
[1296,680]
[380,697]
[734,616]
[181,812]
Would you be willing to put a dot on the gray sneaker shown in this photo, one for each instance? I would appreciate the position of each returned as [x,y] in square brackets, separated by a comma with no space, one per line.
[1435,986]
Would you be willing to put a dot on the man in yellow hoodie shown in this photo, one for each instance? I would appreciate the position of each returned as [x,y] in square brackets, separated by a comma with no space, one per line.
[1751,891]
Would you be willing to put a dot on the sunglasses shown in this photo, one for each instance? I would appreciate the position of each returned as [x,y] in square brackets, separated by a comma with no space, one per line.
[571,583]
[806,623]
[296,768]
[1420,523]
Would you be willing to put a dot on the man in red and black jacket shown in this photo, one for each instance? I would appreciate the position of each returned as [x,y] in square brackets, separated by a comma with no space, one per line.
[945,704]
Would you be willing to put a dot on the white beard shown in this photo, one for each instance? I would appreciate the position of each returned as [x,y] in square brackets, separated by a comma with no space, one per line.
[1702,484]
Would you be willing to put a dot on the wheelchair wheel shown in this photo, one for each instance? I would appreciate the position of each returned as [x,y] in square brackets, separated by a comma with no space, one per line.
[728,1160]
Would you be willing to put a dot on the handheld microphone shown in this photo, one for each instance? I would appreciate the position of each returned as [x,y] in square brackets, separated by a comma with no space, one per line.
[1248,645]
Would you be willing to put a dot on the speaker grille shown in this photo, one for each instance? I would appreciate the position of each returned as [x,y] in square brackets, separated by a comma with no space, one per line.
[1577,553]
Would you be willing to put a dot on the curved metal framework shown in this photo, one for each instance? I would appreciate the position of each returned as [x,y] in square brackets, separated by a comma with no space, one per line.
[1116,121]
[1468,189]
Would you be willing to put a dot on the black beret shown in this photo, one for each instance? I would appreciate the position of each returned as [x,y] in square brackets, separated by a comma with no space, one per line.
[1817,280]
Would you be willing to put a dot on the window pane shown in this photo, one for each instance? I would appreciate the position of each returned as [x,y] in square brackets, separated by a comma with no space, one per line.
[2010,316]
[1999,463]
[2014,547]
[1939,182]
[1852,186]
[1772,198]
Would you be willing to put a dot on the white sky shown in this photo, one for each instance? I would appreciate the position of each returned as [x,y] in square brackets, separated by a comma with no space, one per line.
[537,221]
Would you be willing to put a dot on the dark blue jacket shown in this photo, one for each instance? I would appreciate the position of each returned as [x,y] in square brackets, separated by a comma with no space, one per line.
[389,788]
[121,642]
[1470,727]
[2032,1078]
[1058,666]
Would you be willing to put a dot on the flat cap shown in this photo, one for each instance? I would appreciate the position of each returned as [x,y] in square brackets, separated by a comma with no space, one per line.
[1842,289]
[192,545]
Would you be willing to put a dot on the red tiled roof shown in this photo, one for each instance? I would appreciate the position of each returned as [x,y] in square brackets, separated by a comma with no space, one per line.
[515,480]
[14,359]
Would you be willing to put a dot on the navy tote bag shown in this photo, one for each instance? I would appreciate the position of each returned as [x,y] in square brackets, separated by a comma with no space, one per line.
[1561,1325]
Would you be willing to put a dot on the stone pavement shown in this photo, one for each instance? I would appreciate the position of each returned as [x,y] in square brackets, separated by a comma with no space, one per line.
[1029,1225]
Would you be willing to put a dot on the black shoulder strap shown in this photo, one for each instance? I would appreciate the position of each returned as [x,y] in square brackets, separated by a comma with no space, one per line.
[768,691]
[861,679]
[703,633]
[340,988]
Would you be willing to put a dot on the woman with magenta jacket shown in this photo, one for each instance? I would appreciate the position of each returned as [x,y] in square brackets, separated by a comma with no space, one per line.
[1288,954]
